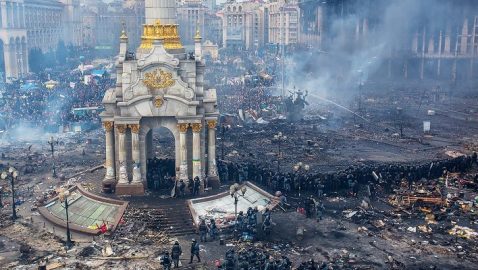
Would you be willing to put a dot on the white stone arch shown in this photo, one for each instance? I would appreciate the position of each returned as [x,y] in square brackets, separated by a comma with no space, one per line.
[172,106]
[148,124]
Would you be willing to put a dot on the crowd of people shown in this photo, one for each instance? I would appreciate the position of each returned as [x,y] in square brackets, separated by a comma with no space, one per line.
[245,259]
[348,180]
[34,103]
[253,259]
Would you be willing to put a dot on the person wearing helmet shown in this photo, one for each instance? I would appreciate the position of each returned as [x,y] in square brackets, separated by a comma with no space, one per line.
[194,251]
[176,252]
[166,261]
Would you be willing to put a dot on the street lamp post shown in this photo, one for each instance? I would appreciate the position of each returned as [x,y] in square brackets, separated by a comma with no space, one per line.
[279,137]
[11,175]
[52,144]
[63,197]
[234,192]
[299,167]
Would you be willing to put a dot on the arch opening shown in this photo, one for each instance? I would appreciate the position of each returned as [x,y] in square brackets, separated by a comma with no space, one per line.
[160,147]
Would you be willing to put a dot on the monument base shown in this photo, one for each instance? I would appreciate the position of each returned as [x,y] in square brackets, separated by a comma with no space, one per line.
[108,185]
[213,182]
[129,189]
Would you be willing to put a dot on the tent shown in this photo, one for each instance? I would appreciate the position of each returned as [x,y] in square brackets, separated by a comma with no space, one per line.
[29,86]
[51,84]
[98,73]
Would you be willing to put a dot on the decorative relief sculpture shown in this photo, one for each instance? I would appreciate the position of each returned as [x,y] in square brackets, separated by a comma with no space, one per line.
[158,79]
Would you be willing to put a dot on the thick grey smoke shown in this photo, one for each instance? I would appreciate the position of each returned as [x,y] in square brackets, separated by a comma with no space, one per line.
[347,59]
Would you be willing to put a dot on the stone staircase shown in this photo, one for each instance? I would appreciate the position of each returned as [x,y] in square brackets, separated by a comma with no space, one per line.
[175,218]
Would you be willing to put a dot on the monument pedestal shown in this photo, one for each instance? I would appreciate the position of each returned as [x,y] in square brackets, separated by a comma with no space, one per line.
[108,185]
[130,189]
[213,182]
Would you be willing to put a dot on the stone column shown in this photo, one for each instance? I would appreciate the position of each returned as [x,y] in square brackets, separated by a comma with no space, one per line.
[197,150]
[211,148]
[110,152]
[123,174]
[4,15]
[183,168]
[137,178]
[9,58]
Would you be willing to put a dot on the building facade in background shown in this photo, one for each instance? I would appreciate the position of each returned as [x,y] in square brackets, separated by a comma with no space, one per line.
[242,25]
[191,17]
[283,22]
[28,24]
[102,22]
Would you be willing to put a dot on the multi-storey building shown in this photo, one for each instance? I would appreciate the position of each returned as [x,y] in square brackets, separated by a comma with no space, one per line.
[102,22]
[191,17]
[243,24]
[283,22]
[27,24]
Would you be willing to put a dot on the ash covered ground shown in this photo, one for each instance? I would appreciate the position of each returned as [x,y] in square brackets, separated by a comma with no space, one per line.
[379,235]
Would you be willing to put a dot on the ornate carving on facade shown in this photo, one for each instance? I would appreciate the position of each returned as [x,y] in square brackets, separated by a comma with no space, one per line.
[121,128]
[108,125]
[168,33]
[183,127]
[158,79]
[212,123]
[196,127]
[134,128]
[158,101]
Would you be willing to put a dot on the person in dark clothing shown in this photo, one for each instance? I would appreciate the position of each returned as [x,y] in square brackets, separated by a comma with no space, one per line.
[266,226]
[197,185]
[166,261]
[213,230]
[230,260]
[190,185]
[309,207]
[355,188]
[181,187]
[194,251]
[176,252]
[203,230]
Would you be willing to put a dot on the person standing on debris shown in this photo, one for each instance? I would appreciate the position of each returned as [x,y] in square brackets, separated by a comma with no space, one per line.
[194,251]
[266,226]
[309,207]
[213,230]
[176,252]
[203,230]
[240,222]
[166,261]
[197,186]
[251,217]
